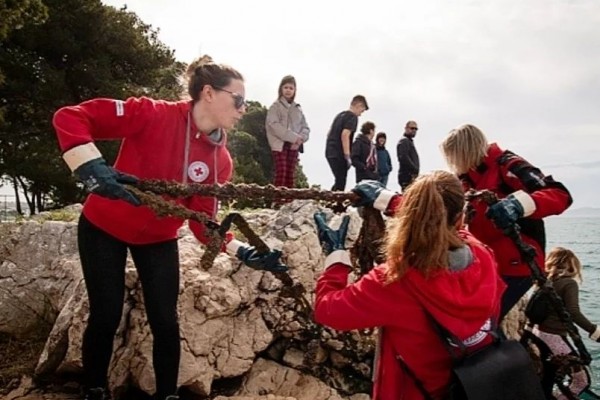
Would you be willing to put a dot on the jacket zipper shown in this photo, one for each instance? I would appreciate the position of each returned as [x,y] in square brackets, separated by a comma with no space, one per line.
[186,155]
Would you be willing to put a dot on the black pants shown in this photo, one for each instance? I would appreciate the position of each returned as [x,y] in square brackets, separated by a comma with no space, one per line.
[517,286]
[103,259]
[339,167]
[404,180]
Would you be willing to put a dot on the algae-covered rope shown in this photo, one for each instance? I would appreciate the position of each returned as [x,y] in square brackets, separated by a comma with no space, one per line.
[245,191]
[365,252]
[149,192]
[528,254]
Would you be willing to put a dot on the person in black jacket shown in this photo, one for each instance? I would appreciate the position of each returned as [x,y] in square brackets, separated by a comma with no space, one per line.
[364,156]
[339,141]
[408,158]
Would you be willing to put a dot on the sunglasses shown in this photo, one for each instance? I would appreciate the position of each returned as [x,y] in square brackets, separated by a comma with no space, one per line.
[238,99]
[413,128]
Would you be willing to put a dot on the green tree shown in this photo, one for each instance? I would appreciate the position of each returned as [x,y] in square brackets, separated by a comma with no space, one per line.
[15,15]
[83,50]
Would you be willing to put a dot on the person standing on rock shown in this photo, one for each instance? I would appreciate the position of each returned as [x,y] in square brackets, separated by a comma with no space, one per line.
[408,157]
[384,161]
[180,141]
[434,270]
[287,131]
[338,146]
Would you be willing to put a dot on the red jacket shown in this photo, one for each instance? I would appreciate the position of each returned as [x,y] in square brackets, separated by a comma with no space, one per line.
[462,301]
[504,173]
[160,141]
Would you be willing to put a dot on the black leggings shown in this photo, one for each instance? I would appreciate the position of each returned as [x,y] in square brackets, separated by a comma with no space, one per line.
[103,259]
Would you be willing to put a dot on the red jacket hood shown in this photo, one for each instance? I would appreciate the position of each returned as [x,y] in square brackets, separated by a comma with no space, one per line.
[464,299]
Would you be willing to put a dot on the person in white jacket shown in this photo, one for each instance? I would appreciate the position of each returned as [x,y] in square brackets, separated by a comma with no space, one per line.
[287,130]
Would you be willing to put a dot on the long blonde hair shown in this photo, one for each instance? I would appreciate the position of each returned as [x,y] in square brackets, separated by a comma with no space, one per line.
[464,148]
[424,230]
[561,262]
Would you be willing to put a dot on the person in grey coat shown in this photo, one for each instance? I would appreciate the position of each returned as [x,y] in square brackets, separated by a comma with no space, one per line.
[287,130]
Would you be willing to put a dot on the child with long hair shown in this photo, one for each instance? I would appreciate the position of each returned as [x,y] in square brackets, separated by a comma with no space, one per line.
[287,131]
[564,271]
[434,269]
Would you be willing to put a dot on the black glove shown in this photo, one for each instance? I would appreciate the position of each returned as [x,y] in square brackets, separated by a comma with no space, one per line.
[331,240]
[106,181]
[267,261]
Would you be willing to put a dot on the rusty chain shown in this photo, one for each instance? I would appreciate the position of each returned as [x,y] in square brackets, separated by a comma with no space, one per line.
[160,197]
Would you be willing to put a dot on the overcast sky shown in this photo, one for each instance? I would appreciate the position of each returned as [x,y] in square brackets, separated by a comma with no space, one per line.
[526,72]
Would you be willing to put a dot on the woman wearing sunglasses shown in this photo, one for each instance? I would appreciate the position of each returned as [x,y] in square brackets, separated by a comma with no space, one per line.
[181,141]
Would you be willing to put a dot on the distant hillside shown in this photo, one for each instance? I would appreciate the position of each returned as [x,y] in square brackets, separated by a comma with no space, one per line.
[583,212]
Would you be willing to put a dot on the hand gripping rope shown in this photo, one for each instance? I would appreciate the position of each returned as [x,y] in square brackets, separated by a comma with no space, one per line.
[364,252]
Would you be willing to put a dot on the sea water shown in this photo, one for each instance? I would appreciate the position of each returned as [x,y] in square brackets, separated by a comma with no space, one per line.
[582,236]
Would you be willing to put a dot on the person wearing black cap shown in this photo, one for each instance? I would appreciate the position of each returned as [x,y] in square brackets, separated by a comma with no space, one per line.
[338,148]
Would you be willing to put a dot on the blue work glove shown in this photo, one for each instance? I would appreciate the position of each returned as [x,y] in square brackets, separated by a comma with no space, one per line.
[505,212]
[266,262]
[373,194]
[106,181]
[331,240]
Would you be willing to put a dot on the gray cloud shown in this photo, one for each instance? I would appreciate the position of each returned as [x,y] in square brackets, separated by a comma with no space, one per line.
[524,72]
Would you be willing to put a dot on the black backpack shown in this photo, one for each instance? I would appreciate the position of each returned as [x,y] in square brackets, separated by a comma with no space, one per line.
[539,306]
[502,370]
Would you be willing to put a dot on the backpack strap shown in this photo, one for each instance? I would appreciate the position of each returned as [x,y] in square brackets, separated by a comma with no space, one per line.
[451,342]
[412,376]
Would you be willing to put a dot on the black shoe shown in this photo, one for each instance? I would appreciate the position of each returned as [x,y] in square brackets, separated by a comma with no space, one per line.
[97,394]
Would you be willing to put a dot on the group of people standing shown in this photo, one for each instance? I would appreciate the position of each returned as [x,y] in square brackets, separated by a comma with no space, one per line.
[371,160]
[466,279]
[287,131]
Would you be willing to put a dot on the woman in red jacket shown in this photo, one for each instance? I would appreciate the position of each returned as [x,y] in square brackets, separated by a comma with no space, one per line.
[527,196]
[181,141]
[434,268]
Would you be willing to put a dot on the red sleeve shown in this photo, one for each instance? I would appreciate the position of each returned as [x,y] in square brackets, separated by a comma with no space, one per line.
[551,201]
[355,306]
[550,197]
[102,119]
[394,205]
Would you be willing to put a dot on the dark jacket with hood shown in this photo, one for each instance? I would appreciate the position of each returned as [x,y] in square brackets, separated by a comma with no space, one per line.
[408,160]
[384,161]
[364,158]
